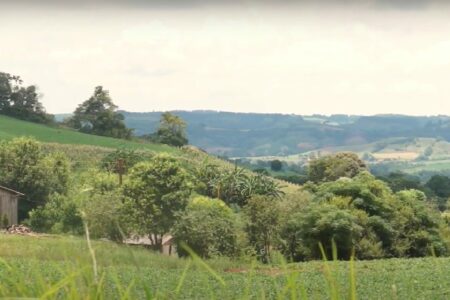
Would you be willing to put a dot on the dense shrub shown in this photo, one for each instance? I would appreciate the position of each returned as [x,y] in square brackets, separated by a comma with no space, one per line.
[59,215]
[208,227]
[276,165]
[363,214]
[25,167]
[321,224]
[103,214]
[262,224]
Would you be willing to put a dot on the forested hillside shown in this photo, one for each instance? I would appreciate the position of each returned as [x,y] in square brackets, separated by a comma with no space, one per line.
[251,134]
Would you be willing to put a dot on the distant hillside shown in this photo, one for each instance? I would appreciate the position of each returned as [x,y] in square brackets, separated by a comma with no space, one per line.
[417,156]
[251,134]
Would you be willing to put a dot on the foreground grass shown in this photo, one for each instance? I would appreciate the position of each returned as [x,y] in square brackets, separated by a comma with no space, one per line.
[61,267]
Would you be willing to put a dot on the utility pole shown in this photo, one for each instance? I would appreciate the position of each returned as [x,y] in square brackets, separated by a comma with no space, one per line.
[120,169]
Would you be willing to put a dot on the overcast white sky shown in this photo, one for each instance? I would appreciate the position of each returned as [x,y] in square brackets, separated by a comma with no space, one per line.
[369,58]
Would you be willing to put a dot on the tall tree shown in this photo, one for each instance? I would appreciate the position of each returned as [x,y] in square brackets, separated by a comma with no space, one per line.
[172,130]
[98,115]
[262,221]
[21,101]
[155,193]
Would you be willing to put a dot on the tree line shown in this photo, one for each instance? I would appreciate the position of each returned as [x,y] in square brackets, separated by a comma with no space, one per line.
[97,115]
[221,210]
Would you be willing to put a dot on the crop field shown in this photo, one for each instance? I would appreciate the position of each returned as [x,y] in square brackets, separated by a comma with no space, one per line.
[11,128]
[51,267]
[396,155]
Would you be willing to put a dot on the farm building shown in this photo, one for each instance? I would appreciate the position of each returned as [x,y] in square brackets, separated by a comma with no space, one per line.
[168,244]
[9,201]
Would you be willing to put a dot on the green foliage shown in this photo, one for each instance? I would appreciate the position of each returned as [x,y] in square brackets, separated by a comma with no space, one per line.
[128,157]
[102,206]
[398,181]
[321,224]
[155,193]
[418,227]
[103,214]
[172,130]
[382,224]
[440,185]
[208,227]
[294,178]
[262,224]
[60,214]
[98,116]
[276,165]
[26,168]
[333,167]
[235,186]
[21,102]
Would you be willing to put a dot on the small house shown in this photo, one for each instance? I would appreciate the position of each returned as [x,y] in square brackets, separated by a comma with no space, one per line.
[9,205]
[168,243]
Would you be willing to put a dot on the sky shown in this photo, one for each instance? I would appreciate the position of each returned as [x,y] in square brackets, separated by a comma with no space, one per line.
[296,57]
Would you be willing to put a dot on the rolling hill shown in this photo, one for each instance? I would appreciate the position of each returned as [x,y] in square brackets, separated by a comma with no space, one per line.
[11,128]
[251,134]
[416,156]
[85,150]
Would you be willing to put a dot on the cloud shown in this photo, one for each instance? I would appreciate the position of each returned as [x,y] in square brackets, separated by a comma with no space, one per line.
[141,71]
[192,4]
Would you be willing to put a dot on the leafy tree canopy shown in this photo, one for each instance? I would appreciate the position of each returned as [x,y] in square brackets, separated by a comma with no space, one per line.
[440,185]
[20,101]
[276,165]
[363,214]
[25,167]
[155,193]
[333,167]
[98,115]
[262,224]
[207,226]
[172,130]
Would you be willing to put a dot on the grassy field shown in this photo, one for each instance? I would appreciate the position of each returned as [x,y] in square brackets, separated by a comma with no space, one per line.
[11,128]
[50,267]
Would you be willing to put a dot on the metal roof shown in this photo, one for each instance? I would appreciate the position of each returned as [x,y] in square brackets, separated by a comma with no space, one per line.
[11,191]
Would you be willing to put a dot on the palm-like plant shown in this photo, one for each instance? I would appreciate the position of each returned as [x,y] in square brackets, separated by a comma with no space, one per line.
[236,186]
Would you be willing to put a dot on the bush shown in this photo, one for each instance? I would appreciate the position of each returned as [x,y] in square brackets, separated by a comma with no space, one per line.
[276,165]
[363,213]
[321,224]
[25,167]
[59,215]
[208,227]
[262,224]
[104,216]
